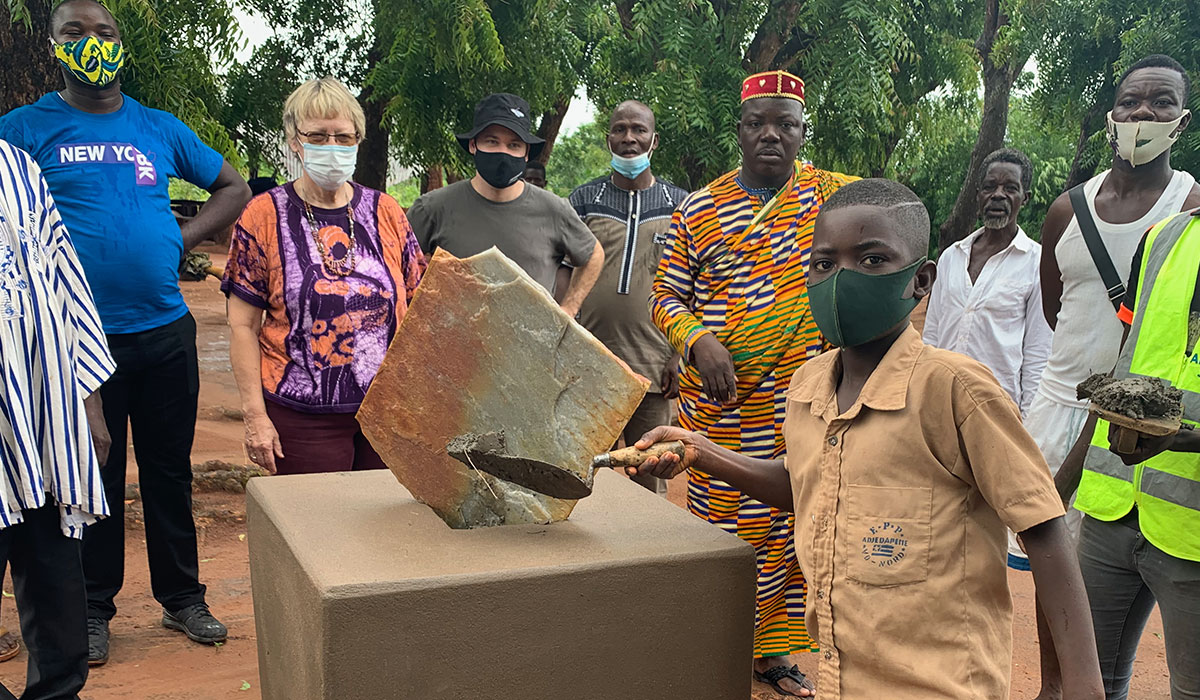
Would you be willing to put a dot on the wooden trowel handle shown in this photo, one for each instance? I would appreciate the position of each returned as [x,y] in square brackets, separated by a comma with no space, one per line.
[633,457]
[1127,440]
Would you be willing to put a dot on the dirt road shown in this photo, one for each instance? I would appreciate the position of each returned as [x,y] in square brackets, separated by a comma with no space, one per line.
[149,662]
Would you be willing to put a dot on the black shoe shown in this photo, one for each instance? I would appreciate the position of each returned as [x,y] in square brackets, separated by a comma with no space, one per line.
[97,641]
[197,623]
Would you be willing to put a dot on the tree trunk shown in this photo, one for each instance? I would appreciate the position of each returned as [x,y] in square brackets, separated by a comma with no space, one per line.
[889,147]
[431,179]
[30,72]
[777,39]
[372,167]
[551,124]
[625,14]
[1080,170]
[998,80]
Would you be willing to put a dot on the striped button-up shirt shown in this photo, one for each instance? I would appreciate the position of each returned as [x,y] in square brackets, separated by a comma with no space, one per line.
[53,354]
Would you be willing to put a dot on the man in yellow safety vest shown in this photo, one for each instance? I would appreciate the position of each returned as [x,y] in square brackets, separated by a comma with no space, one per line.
[1140,540]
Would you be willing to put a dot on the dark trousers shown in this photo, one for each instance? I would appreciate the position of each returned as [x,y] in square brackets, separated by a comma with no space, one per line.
[1125,575]
[155,388]
[48,584]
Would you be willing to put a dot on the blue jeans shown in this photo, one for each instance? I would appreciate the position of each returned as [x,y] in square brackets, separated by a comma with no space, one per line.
[1125,575]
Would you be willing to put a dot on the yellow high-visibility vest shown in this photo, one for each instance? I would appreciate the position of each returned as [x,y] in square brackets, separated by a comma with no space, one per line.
[1165,488]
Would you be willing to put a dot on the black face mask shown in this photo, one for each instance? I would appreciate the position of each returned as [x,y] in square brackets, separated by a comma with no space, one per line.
[499,170]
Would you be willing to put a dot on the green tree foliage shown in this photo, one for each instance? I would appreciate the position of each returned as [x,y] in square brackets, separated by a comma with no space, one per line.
[406,191]
[932,159]
[310,39]
[893,85]
[685,62]
[174,47]
[867,64]
[1050,148]
[1091,42]
[253,107]
[579,157]
[871,77]
[443,56]
[1011,30]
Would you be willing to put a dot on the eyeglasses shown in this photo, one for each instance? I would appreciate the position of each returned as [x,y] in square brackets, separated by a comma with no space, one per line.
[318,138]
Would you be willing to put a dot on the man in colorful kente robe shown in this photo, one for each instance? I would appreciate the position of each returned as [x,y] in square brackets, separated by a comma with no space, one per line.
[730,295]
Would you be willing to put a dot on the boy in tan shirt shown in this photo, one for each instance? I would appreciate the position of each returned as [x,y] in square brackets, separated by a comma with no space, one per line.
[904,465]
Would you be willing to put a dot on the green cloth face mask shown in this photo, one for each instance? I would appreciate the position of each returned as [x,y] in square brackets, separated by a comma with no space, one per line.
[851,308]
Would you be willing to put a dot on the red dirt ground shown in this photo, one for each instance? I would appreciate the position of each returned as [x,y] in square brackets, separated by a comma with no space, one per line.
[149,662]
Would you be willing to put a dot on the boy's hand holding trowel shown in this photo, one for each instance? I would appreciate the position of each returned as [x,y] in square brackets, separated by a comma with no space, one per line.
[669,465]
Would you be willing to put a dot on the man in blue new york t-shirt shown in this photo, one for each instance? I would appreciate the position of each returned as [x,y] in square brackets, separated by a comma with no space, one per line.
[107,160]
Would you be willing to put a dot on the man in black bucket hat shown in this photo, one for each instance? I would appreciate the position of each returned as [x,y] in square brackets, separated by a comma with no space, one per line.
[537,229]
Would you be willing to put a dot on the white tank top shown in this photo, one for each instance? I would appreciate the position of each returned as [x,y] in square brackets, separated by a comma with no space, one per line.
[1087,338]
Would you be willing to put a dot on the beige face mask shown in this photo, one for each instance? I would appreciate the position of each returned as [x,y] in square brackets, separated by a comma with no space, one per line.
[1141,142]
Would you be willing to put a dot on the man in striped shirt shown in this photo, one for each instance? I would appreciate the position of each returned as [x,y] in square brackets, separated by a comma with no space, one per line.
[730,296]
[53,359]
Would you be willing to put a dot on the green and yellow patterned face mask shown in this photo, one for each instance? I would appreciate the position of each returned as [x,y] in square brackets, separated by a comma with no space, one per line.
[91,60]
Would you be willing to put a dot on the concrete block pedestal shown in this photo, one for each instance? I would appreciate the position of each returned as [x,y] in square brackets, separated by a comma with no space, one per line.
[362,593]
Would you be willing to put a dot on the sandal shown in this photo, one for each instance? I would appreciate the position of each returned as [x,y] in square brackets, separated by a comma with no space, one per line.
[9,646]
[773,675]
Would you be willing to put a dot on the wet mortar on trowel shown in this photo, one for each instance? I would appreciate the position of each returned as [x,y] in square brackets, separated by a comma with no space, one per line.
[1134,397]
[489,452]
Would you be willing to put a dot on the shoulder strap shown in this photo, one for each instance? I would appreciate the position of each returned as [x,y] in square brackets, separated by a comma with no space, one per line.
[1104,264]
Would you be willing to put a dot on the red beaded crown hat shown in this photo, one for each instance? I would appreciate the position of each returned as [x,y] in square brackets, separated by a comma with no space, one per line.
[776,83]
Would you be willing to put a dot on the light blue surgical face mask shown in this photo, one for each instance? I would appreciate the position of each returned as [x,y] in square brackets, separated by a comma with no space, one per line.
[330,166]
[632,166]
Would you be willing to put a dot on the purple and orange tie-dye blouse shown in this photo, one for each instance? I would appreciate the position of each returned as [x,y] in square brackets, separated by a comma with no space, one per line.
[323,336]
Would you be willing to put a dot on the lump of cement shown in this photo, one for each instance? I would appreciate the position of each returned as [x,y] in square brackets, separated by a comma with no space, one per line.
[1089,386]
[469,443]
[484,349]
[1135,397]
[195,267]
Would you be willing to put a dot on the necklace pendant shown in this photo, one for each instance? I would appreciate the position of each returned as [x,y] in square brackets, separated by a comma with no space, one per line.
[337,268]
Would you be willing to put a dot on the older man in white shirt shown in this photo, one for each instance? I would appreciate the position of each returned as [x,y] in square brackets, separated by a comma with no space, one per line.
[53,357]
[987,303]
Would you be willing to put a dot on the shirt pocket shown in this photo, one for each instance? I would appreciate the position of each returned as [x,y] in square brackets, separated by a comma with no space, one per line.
[13,287]
[887,533]
[1006,300]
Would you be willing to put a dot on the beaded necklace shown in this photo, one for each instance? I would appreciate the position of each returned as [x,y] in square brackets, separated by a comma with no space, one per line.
[342,267]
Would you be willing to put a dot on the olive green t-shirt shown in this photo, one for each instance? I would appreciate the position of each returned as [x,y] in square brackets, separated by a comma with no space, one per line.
[538,230]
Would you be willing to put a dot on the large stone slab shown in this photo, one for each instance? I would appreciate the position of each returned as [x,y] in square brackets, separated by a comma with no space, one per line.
[362,593]
[484,348]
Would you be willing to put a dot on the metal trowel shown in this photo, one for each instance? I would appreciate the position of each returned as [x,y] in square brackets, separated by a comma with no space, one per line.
[487,452]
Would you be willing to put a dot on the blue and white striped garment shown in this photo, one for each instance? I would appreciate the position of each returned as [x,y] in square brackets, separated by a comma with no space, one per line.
[53,354]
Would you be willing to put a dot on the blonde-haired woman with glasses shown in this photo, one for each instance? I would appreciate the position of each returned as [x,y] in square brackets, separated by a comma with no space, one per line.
[320,274]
